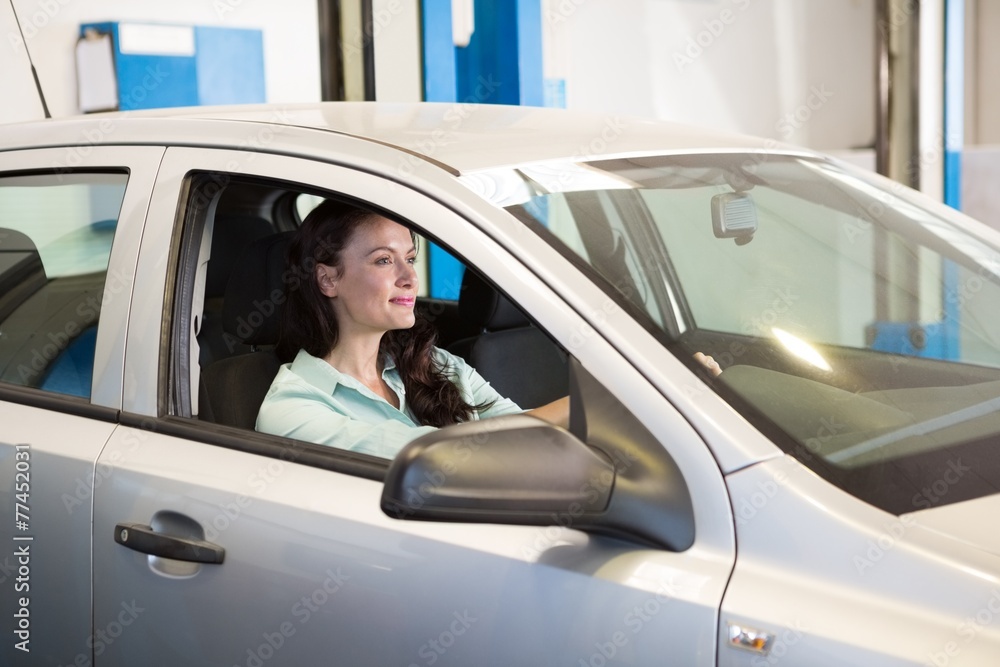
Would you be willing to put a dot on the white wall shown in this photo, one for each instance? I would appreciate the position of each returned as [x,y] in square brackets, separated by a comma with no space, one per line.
[291,41]
[21,101]
[398,70]
[795,71]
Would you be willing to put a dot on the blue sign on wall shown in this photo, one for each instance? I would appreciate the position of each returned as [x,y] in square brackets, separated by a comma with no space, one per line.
[160,65]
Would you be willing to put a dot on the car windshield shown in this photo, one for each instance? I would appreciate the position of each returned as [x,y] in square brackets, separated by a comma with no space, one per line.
[855,327]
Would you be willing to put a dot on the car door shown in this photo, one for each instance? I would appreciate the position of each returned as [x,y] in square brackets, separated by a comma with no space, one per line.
[70,223]
[215,545]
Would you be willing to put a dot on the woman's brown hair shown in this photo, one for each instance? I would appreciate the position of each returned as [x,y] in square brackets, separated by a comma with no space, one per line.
[309,323]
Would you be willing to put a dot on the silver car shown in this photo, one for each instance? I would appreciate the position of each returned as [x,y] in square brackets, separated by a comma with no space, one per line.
[829,498]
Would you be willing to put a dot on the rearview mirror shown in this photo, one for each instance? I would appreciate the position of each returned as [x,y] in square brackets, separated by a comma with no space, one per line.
[734,215]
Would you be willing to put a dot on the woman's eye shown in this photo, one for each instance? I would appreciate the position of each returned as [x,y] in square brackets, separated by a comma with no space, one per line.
[382,260]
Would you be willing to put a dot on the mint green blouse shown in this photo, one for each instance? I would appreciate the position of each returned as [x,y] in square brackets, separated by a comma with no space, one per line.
[311,400]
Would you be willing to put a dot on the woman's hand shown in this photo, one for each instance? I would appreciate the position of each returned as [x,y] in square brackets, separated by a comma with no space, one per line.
[708,362]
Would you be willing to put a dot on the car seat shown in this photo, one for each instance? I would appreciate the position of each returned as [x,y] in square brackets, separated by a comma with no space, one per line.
[230,237]
[519,360]
[232,388]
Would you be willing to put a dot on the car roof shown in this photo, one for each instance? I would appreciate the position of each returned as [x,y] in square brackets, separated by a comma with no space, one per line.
[461,136]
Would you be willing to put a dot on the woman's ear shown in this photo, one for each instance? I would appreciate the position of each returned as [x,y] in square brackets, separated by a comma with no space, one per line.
[326,279]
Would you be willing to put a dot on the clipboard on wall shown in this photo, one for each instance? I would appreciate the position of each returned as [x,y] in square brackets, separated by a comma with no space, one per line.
[96,80]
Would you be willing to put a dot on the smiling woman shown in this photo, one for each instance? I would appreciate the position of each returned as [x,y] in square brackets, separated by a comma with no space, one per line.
[362,371]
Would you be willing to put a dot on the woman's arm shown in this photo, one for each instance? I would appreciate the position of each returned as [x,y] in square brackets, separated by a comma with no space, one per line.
[556,412]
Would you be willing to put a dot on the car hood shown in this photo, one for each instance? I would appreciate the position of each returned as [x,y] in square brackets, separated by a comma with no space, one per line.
[969,521]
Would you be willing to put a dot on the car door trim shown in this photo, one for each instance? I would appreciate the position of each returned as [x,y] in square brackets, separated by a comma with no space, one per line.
[262,444]
[46,400]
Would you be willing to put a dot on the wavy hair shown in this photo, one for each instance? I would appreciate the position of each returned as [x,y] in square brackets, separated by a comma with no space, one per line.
[309,323]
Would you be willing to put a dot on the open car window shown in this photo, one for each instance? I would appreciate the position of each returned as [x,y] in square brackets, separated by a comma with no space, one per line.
[855,328]
[224,353]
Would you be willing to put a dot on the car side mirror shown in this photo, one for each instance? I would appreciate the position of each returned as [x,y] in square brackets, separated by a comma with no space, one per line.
[606,475]
[513,469]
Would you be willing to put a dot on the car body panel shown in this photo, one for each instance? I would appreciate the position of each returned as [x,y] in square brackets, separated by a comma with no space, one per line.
[64,436]
[965,520]
[892,591]
[306,574]
[464,137]
[677,595]
[62,450]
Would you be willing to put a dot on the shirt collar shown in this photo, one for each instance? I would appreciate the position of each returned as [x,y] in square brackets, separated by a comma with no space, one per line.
[325,377]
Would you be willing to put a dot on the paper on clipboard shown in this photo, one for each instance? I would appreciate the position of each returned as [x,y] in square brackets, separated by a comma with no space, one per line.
[97,85]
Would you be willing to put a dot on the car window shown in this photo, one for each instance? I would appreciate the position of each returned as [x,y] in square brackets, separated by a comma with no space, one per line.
[234,319]
[854,327]
[56,232]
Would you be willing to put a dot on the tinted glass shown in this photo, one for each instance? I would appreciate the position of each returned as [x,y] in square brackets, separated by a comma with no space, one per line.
[56,232]
[855,325]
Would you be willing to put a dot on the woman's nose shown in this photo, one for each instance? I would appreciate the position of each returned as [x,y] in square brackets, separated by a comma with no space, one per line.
[408,274]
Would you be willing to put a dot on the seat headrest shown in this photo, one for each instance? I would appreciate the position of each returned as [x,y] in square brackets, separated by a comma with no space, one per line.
[21,270]
[230,237]
[481,304]
[256,290]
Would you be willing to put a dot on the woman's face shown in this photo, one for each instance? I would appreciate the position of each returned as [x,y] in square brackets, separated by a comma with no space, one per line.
[375,285]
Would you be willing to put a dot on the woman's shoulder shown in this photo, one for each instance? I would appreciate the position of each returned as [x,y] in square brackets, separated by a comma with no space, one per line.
[447,360]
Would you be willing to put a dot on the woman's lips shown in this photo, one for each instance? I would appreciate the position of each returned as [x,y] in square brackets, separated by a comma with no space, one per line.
[404,301]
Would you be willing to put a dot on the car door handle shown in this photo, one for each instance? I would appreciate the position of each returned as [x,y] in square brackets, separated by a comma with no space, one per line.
[144,539]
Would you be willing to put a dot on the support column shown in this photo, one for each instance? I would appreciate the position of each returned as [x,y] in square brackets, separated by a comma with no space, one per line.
[501,64]
[918,43]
